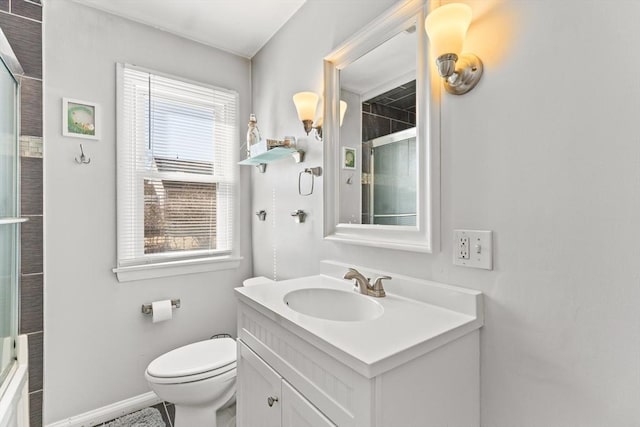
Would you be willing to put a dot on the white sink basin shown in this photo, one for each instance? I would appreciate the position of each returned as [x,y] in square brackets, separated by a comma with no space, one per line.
[332,304]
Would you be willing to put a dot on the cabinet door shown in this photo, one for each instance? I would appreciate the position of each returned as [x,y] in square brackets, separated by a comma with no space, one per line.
[259,397]
[299,412]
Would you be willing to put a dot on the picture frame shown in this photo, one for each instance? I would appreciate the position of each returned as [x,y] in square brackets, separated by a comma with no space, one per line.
[349,158]
[80,119]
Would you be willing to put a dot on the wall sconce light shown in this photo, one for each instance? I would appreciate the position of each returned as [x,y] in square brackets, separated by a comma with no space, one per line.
[447,27]
[306,104]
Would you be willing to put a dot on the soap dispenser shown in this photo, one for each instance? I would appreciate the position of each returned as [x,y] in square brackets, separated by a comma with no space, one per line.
[253,133]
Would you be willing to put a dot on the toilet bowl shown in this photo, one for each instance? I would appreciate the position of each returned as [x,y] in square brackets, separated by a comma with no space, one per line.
[199,378]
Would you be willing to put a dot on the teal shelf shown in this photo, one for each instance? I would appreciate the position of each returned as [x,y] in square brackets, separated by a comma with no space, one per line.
[272,155]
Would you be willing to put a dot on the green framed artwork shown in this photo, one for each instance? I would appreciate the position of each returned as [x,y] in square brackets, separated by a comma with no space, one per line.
[80,119]
[348,158]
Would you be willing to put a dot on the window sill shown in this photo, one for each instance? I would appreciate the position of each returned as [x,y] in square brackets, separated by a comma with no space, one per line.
[176,268]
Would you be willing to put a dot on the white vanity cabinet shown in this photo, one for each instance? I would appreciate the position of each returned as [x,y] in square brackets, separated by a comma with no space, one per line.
[267,400]
[322,383]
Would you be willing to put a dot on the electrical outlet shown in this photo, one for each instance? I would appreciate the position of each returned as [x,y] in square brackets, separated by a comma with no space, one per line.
[473,248]
[462,249]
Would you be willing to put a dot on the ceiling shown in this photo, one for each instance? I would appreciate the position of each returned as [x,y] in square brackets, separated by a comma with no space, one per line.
[391,64]
[241,27]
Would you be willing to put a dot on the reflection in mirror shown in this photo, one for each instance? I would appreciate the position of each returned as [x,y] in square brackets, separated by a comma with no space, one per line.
[381,127]
[388,195]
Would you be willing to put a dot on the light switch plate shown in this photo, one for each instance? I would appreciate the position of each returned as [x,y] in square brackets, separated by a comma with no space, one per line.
[477,245]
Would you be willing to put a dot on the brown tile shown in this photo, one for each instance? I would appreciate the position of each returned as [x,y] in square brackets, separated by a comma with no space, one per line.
[31,107]
[392,113]
[4,5]
[406,103]
[25,37]
[398,126]
[171,410]
[27,8]
[35,361]
[31,245]
[31,319]
[35,409]
[31,185]
[374,126]
[163,411]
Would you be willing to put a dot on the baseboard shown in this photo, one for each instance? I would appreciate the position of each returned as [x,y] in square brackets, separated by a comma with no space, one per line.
[109,412]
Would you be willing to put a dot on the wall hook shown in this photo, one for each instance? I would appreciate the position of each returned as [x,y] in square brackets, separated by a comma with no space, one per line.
[84,160]
[299,215]
[261,214]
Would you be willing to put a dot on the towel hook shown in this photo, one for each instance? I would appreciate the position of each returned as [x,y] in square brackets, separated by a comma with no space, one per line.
[84,160]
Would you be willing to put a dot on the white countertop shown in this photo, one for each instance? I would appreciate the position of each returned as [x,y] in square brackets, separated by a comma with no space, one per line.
[407,329]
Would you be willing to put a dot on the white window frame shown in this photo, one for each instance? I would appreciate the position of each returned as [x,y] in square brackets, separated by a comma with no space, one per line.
[175,264]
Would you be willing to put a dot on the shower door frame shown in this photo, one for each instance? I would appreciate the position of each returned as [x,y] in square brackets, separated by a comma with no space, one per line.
[10,62]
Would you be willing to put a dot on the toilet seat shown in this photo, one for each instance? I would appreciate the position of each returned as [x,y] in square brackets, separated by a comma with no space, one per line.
[194,362]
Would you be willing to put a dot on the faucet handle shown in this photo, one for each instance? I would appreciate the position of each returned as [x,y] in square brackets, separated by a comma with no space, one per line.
[378,288]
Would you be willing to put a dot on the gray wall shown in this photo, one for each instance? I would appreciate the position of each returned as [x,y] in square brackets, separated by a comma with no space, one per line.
[98,344]
[21,22]
[545,153]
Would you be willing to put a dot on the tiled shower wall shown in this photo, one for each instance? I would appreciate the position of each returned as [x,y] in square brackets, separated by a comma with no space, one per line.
[21,22]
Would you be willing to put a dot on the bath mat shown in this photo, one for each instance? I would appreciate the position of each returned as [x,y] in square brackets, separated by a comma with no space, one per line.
[148,417]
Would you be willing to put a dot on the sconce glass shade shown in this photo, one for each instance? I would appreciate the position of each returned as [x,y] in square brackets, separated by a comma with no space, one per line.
[343,109]
[447,27]
[306,103]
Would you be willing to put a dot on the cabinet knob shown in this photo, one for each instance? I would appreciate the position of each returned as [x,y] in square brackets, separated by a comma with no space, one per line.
[271,400]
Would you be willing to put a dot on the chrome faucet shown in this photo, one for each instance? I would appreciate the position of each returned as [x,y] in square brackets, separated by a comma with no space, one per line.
[363,285]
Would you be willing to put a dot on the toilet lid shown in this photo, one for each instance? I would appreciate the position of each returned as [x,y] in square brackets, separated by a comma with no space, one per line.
[194,358]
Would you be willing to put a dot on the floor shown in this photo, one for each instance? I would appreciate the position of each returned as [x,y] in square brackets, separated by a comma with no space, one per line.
[167,410]
[226,417]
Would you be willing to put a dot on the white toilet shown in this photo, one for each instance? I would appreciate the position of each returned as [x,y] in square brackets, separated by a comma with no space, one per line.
[199,378]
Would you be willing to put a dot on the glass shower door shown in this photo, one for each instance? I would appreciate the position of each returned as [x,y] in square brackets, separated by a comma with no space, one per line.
[9,218]
[394,180]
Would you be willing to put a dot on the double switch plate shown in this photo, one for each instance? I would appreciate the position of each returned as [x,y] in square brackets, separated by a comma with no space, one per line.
[473,248]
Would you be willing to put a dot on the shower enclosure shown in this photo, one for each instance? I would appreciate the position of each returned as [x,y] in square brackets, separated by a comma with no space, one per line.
[12,368]
[389,194]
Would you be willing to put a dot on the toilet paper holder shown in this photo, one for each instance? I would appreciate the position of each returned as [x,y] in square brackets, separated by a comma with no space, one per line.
[147,309]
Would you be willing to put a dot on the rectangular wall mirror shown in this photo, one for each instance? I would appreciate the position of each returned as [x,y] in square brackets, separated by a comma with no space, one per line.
[382,156]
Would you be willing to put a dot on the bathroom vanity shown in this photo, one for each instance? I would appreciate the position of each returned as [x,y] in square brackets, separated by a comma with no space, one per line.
[408,359]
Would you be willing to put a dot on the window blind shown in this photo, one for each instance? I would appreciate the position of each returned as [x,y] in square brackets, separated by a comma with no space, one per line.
[177,144]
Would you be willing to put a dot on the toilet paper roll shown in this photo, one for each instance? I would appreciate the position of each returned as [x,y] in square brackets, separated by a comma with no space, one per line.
[161,310]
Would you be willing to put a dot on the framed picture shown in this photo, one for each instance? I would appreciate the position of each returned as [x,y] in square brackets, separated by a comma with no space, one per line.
[80,119]
[348,158]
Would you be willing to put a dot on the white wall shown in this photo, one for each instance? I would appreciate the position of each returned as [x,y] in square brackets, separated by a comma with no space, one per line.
[97,341]
[545,152]
[351,136]
[292,62]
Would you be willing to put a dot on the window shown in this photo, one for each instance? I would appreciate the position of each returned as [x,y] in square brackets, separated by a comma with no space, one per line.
[177,149]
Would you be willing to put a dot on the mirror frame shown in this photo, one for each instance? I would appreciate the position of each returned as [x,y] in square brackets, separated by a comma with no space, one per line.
[425,236]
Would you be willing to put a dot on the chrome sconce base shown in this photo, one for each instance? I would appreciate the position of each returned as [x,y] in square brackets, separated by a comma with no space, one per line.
[308,127]
[460,74]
